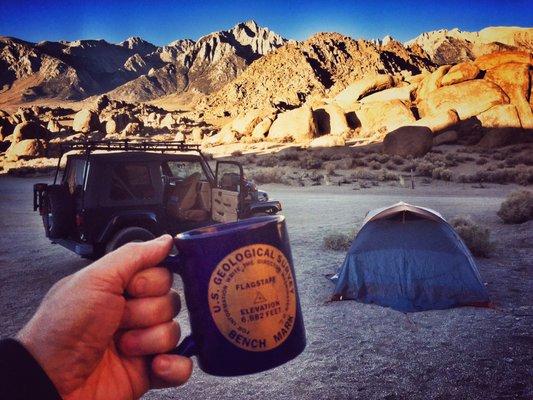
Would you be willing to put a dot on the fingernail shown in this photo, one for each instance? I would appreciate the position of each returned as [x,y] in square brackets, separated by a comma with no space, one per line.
[140,285]
[163,238]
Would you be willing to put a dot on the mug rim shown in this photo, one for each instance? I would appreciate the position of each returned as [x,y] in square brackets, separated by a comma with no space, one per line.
[222,229]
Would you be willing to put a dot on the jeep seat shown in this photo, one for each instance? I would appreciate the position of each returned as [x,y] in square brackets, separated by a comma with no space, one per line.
[183,199]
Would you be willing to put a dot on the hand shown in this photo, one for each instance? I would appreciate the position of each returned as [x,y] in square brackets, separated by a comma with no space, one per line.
[95,343]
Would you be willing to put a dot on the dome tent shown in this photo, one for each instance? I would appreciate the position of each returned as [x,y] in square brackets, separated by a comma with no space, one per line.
[410,259]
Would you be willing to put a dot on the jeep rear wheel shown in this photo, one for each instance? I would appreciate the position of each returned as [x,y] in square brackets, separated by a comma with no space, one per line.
[128,235]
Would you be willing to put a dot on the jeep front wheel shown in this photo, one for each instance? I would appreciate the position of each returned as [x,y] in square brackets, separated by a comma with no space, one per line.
[128,235]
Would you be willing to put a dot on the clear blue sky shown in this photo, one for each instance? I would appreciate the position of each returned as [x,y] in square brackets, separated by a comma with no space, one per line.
[162,22]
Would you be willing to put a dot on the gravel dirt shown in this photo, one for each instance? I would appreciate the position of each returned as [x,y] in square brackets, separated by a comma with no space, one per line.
[354,350]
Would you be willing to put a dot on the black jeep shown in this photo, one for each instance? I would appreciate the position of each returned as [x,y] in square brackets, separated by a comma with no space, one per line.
[121,191]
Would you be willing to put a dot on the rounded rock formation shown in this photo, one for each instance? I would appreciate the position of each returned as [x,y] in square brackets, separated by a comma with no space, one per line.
[413,141]
[28,130]
[25,149]
[86,121]
[296,125]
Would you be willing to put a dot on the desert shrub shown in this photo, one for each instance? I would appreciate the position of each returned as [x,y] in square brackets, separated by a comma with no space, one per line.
[411,165]
[476,237]
[390,165]
[481,161]
[453,159]
[379,157]
[268,175]
[434,158]
[397,160]
[359,162]
[521,175]
[250,159]
[310,163]
[363,174]
[343,163]
[236,153]
[425,168]
[518,159]
[337,156]
[442,173]
[268,161]
[385,176]
[339,241]
[517,208]
[468,150]
[289,155]
[330,168]
[375,165]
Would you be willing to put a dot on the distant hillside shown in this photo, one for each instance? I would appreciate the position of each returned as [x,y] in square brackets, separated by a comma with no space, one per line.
[136,70]
[79,69]
[202,66]
[452,46]
[326,62]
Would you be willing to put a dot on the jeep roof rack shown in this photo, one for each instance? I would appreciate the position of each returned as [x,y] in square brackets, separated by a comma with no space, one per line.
[89,146]
[128,145]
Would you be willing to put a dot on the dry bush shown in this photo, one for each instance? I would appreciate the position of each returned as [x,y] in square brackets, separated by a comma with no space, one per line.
[442,173]
[425,168]
[385,176]
[339,241]
[411,165]
[517,208]
[359,162]
[520,174]
[453,159]
[268,175]
[309,162]
[476,237]
[390,165]
[363,174]
[345,163]
[330,168]
[525,159]
[268,161]
[467,150]
[375,165]
[250,159]
[289,155]
[397,160]
[379,157]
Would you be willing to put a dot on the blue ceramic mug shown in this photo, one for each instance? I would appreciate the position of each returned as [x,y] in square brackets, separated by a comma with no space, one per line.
[241,295]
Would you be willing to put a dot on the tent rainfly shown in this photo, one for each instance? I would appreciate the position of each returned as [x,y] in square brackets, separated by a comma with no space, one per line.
[410,259]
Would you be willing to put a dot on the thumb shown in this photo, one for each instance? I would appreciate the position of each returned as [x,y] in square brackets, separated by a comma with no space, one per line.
[119,266]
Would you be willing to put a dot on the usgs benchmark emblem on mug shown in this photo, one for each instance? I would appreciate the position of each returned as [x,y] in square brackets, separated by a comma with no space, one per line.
[241,295]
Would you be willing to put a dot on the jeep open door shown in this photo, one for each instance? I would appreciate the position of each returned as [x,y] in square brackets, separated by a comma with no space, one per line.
[227,194]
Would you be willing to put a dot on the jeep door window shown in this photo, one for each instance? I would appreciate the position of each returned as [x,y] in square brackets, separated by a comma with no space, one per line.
[183,169]
[75,174]
[131,181]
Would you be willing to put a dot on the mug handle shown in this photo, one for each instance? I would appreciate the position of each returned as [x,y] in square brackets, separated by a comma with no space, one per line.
[187,347]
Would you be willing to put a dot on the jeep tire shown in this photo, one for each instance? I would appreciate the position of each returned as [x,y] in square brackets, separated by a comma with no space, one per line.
[128,235]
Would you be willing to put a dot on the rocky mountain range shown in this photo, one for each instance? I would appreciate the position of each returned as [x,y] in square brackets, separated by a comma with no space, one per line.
[324,63]
[134,69]
[452,46]
[230,66]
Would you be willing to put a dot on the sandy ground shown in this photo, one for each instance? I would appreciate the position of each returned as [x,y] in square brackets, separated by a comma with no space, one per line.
[354,350]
